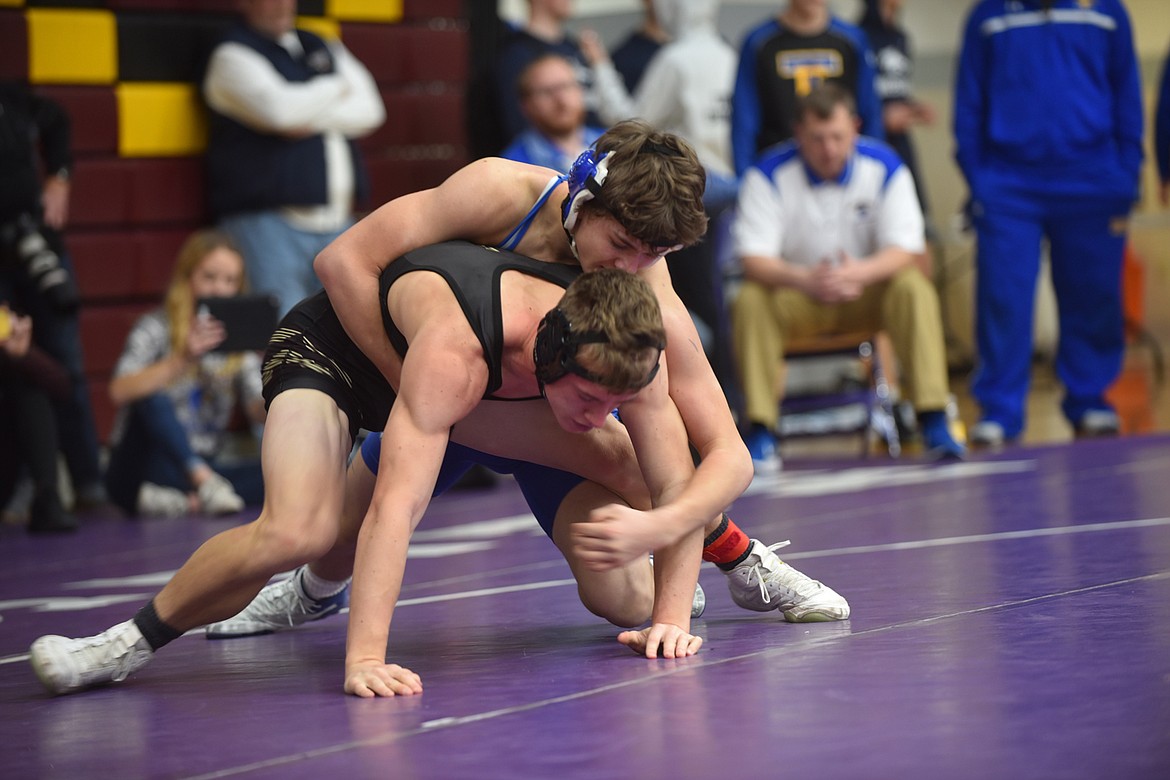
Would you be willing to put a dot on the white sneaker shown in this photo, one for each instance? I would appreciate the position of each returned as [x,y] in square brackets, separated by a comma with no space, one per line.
[218,497]
[762,582]
[279,607]
[159,501]
[699,602]
[66,665]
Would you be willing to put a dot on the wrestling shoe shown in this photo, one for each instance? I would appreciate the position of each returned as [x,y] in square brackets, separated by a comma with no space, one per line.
[698,601]
[279,607]
[66,665]
[762,582]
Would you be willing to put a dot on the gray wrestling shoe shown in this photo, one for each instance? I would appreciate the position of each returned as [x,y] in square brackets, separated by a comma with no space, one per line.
[762,582]
[279,607]
[66,665]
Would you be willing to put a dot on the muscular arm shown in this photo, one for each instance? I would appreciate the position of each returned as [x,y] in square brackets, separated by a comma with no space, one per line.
[443,378]
[685,498]
[479,203]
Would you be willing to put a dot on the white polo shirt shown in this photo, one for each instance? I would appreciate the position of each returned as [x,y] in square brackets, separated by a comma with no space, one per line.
[785,210]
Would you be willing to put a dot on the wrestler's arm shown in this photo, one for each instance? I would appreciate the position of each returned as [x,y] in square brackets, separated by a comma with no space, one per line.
[480,202]
[660,442]
[440,383]
[725,469]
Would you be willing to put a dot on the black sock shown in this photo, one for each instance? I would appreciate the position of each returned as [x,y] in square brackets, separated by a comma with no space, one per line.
[154,630]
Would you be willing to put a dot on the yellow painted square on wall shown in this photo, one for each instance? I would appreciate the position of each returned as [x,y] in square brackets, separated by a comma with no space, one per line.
[329,29]
[74,46]
[364,10]
[160,119]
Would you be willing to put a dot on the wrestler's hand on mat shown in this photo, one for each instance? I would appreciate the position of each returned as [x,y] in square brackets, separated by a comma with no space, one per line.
[661,640]
[615,535]
[368,679]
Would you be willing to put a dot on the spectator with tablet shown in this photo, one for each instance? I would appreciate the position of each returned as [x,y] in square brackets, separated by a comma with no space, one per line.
[184,370]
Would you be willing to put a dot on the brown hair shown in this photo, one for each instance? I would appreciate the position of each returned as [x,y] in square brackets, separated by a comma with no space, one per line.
[823,100]
[624,308]
[654,185]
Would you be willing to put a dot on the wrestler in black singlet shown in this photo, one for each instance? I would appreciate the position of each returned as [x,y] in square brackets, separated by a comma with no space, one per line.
[310,349]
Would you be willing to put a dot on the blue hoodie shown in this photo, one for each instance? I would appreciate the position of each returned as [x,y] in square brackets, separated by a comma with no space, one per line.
[1048,105]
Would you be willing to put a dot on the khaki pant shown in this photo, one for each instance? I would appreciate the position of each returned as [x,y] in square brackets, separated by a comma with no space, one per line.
[905,306]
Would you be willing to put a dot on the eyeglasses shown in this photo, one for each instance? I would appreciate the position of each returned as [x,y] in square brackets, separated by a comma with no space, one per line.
[551,90]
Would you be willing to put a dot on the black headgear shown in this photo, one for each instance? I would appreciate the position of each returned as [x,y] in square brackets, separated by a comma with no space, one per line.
[556,348]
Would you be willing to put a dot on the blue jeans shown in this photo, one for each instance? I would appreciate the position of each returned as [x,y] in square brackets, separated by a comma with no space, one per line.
[279,257]
[155,448]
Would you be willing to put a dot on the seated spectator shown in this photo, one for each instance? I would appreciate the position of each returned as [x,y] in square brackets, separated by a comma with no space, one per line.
[554,106]
[283,171]
[176,396]
[543,32]
[29,378]
[829,229]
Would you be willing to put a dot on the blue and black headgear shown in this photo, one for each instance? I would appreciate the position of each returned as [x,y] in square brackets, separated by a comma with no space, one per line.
[584,179]
[555,351]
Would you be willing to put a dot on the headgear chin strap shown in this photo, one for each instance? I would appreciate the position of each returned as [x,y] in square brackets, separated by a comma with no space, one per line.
[585,179]
[555,351]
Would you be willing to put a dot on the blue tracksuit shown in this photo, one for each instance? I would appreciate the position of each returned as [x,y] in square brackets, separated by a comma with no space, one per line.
[1048,130]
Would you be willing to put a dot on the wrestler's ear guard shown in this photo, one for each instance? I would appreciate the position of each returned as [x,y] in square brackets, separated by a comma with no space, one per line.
[585,179]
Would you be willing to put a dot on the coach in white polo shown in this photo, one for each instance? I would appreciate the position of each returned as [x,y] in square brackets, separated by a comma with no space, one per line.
[828,229]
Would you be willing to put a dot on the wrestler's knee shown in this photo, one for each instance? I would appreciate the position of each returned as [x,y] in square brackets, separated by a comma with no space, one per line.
[294,540]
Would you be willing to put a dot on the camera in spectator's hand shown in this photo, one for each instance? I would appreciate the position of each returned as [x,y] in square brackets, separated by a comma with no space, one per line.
[23,240]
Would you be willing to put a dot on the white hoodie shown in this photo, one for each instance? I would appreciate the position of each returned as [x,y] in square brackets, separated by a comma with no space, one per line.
[687,86]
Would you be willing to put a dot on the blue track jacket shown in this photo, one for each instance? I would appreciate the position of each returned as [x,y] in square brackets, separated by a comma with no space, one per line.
[1048,105]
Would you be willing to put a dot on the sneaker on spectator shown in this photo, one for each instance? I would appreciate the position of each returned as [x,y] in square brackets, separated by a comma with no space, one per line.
[1097,423]
[66,665]
[762,582]
[761,443]
[279,607]
[160,501]
[218,497]
[986,433]
[48,516]
[937,440]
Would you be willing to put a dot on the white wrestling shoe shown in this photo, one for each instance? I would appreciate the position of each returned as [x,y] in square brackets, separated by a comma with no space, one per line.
[699,602]
[279,607]
[762,582]
[66,665]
